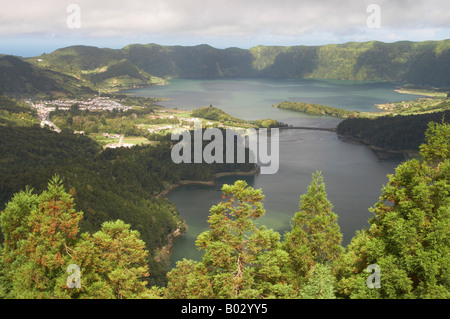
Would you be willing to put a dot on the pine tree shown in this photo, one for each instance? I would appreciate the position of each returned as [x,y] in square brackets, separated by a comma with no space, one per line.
[241,260]
[189,280]
[42,242]
[315,236]
[437,147]
[122,257]
[38,230]
[409,236]
[320,283]
[15,229]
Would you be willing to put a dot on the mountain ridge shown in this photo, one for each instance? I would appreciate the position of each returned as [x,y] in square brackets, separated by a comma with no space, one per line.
[424,63]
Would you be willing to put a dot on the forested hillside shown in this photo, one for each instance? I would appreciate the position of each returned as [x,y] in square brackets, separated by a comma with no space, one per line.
[105,184]
[407,244]
[401,132]
[313,109]
[20,78]
[64,200]
[419,63]
[108,185]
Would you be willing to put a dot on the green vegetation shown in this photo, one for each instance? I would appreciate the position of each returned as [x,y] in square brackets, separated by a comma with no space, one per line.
[143,125]
[408,237]
[99,208]
[13,112]
[106,185]
[401,132]
[240,260]
[42,240]
[315,236]
[315,109]
[217,115]
[100,69]
[268,123]
[417,106]
[20,78]
[409,233]
[419,63]
[83,69]
[202,61]
[214,114]
[123,74]
[123,122]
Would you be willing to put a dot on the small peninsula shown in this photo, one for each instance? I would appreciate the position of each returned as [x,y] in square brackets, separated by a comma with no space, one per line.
[315,109]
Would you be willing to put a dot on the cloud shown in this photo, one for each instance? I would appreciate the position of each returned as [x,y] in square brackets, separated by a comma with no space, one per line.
[218,19]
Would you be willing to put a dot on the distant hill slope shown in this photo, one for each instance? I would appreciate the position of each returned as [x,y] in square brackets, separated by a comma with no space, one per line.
[18,77]
[418,63]
[101,68]
[401,132]
[421,63]
[201,61]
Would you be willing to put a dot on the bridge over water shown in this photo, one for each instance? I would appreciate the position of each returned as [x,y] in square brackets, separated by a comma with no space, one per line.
[329,129]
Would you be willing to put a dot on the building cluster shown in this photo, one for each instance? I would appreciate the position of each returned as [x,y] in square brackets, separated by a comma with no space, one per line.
[99,103]
[107,135]
[184,123]
[160,128]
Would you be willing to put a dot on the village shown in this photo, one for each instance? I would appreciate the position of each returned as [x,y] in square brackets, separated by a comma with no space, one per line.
[44,108]
[172,120]
[95,104]
[416,106]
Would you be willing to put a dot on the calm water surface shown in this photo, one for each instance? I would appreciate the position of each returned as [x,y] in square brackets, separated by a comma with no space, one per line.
[352,173]
[252,99]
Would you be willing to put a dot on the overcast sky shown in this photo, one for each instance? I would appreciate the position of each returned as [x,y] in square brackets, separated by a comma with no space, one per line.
[31,27]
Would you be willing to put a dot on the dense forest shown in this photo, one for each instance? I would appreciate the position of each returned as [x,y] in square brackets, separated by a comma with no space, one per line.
[105,184]
[215,114]
[401,132]
[20,78]
[64,200]
[314,109]
[121,122]
[79,70]
[419,63]
[403,254]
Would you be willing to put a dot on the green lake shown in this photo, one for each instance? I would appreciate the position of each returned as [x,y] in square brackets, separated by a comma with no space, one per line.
[352,173]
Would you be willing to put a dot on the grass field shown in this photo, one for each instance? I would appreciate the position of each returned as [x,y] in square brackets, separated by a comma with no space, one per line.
[104,141]
[136,140]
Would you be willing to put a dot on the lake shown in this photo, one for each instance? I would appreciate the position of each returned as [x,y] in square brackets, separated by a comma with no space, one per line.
[352,173]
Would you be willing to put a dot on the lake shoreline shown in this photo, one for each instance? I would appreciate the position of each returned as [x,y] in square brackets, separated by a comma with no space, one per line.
[253,99]
[211,182]
[380,152]
[165,252]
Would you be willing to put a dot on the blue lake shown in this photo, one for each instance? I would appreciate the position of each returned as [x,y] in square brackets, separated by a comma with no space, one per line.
[352,173]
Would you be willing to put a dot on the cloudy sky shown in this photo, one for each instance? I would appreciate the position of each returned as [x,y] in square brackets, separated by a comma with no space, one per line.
[31,27]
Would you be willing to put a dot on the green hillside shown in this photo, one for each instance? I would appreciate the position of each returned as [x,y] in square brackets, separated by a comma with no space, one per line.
[421,63]
[78,69]
[313,109]
[202,61]
[16,113]
[397,133]
[18,77]
[99,68]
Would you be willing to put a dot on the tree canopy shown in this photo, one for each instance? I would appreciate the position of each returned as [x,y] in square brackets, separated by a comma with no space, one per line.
[42,242]
[407,245]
